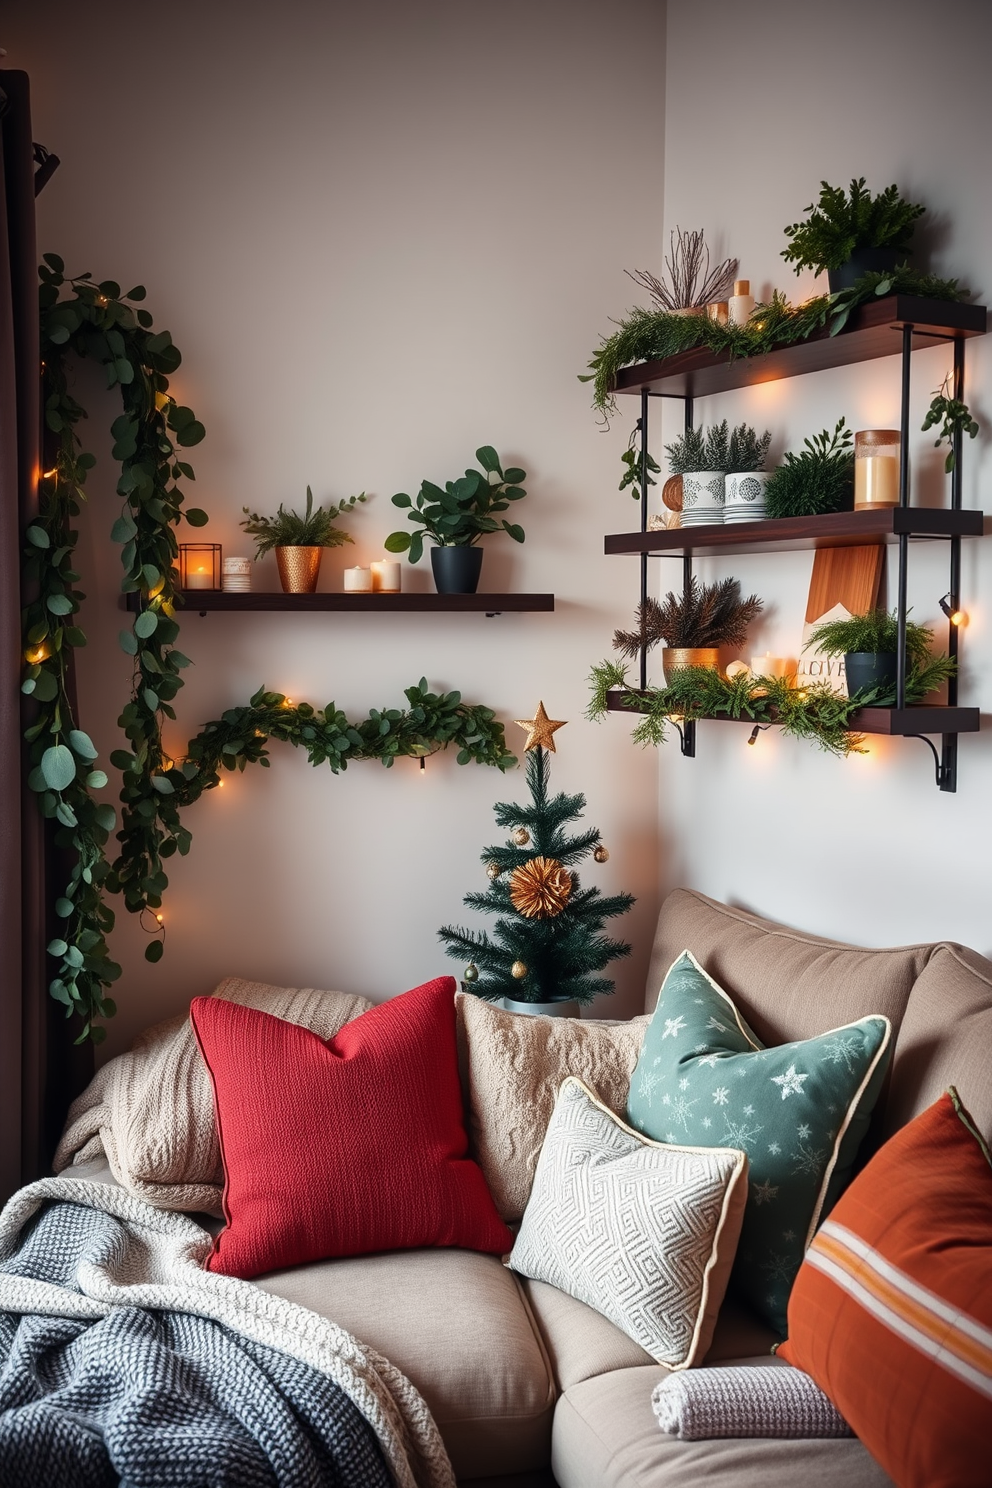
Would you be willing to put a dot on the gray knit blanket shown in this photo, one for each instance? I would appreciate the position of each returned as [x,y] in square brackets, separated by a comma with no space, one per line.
[123,1361]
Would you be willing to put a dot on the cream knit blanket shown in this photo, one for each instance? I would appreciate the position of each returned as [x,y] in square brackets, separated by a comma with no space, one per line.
[160,1266]
[151,1111]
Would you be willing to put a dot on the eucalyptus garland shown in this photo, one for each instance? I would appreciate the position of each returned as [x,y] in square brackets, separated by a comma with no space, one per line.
[151,435]
[646,335]
[812,711]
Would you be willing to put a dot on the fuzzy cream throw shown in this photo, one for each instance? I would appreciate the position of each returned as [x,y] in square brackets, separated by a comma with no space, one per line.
[150,1112]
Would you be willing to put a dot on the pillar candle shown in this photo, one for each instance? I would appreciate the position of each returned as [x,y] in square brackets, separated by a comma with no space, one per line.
[199,578]
[386,577]
[358,581]
[773,666]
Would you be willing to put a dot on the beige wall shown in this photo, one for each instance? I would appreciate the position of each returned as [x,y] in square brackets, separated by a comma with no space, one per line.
[765,98]
[381,236]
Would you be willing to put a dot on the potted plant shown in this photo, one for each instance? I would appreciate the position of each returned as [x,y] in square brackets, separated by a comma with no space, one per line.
[869,645]
[299,542]
[852,233]
[747,451]
[693,624]
[700,457]
[817,480]
[456,517]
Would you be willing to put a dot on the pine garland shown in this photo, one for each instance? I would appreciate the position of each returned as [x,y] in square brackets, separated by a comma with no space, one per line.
[812,712]
[648,335]
[151,433]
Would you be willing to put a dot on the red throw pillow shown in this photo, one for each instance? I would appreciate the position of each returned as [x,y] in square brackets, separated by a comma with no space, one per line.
[346,1146]
[891,1312]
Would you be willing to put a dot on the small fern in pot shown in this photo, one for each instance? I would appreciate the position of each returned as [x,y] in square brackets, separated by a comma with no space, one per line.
[299,541]
[869,645]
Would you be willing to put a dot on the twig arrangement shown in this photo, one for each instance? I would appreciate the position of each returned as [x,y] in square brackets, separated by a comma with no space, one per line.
[693,282]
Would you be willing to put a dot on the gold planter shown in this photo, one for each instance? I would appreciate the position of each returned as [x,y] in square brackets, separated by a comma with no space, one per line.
[673,658]
[298,569]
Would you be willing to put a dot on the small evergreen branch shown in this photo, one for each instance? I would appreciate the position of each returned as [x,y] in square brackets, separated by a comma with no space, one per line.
[817,480]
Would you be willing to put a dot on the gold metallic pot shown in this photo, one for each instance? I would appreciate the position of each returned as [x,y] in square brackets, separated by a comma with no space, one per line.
[298,569]
[675,657]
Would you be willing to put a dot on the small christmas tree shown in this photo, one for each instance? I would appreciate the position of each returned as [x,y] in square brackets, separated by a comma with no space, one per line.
[548,941]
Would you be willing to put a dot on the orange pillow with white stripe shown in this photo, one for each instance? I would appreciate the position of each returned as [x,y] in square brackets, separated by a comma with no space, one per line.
[891,1312]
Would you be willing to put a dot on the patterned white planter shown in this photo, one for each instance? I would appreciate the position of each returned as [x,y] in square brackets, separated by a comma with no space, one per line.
[702,498]
[745,496]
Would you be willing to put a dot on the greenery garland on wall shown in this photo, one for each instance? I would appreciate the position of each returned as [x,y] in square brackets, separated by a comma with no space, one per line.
[97,321]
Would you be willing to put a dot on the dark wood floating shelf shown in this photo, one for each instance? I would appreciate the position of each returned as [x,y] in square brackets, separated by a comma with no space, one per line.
[775,534]
[873,330]
[204,600]
[916,719]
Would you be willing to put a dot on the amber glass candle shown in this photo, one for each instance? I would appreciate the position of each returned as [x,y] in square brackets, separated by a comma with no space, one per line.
[876,468]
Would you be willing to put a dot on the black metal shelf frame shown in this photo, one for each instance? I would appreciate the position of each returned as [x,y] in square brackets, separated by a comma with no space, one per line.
[946,770]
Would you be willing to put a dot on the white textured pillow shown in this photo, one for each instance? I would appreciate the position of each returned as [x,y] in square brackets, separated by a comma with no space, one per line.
[151,1111]
[645,1232]
[513,1066]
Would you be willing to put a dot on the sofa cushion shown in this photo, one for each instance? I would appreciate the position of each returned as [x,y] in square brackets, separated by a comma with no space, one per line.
[892,1311]
[945,1039]
[458,1325]
[513,1066]
[606,1436]
[799,1110]
[151,1110]
[582,1343]
[343,1146]
[643,1232]
[786,984]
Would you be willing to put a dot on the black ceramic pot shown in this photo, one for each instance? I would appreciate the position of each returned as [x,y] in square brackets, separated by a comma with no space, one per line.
[456,570]
[865,669]
[864,261]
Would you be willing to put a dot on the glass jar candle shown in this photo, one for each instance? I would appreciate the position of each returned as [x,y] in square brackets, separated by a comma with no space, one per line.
[876,468]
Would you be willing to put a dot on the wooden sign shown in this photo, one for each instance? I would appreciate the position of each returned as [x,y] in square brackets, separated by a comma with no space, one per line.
[844,582]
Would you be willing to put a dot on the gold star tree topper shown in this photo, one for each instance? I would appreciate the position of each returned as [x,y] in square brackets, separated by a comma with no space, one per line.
[540,729]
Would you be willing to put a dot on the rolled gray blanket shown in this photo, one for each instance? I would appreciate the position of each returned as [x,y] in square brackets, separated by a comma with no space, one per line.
[750,1400]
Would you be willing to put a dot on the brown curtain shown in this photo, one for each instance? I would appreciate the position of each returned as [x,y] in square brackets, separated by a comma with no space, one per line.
[40,1070]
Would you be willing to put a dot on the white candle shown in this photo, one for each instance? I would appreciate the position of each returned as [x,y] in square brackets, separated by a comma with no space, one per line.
[386,577]
[199,578]
[774,666]
[358,581]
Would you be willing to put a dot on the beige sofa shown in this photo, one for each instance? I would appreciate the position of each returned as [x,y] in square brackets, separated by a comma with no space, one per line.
[530,1387]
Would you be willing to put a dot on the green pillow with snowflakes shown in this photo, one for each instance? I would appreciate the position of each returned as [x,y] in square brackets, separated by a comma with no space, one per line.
[798,1110]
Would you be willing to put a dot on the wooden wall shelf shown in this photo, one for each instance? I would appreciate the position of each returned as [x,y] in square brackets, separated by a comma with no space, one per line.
[873,330]
[916,719]
[215,601]
[777,534]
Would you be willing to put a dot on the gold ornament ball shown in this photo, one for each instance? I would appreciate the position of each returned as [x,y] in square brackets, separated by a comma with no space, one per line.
[493,871]
[521,836]
[518,970]
[601,854]
[471,972]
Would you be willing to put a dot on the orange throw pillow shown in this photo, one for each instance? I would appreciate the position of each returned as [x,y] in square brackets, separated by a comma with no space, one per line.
[891,1312]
